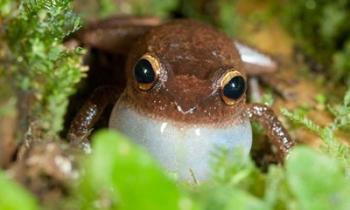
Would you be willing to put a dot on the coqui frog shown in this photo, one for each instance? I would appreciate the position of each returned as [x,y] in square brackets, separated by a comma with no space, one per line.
[185,92]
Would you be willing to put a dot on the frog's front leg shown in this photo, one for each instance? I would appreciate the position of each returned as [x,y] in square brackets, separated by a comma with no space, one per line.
[275,131]
[89,114]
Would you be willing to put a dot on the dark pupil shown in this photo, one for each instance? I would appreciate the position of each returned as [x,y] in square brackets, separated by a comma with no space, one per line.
[144,72]
[234,88]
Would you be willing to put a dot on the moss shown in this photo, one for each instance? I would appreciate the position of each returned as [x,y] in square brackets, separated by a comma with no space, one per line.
[40,66]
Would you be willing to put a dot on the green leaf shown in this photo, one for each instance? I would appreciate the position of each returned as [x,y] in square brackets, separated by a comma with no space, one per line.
[14,197]
[129,176]
[317,181]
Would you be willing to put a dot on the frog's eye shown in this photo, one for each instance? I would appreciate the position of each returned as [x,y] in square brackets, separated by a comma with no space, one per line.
[146,71]
[232,87]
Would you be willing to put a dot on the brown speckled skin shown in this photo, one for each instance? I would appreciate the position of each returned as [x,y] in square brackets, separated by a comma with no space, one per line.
[90,113]
[193,57]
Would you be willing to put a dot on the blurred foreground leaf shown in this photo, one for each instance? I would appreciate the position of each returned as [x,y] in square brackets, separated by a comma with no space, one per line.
[241,200]
[127,176]
[119,175]
[317,181]
[14,197]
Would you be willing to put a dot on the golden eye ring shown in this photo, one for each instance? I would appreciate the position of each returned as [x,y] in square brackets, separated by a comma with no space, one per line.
[232,87]
[147,71]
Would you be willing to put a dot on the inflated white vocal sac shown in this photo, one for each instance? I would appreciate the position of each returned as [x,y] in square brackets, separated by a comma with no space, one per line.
[183,149]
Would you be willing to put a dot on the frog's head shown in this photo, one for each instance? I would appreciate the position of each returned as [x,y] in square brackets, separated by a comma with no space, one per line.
[188,72]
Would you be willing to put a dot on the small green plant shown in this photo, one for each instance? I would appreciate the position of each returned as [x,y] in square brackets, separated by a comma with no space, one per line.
[341,120]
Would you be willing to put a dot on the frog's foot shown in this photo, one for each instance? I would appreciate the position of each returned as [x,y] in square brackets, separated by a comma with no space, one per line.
[276,132]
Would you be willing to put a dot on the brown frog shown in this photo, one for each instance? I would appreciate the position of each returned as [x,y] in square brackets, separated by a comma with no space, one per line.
[185,92]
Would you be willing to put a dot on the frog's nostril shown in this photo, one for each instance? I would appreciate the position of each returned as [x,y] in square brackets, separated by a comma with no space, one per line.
[188,91]
[185,109]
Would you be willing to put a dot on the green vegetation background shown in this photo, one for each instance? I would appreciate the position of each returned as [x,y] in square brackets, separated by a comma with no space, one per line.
[34,62]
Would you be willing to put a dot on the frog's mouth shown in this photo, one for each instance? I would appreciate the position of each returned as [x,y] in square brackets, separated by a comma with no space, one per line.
[182,148]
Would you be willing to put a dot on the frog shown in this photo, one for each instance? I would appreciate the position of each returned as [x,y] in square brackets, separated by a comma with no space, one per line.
[184,94]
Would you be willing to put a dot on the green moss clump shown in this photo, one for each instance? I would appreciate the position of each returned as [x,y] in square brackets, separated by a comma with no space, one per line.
[41,68]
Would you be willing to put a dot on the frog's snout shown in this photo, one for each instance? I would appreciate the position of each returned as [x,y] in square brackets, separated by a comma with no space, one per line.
[185,149]
[187,92]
